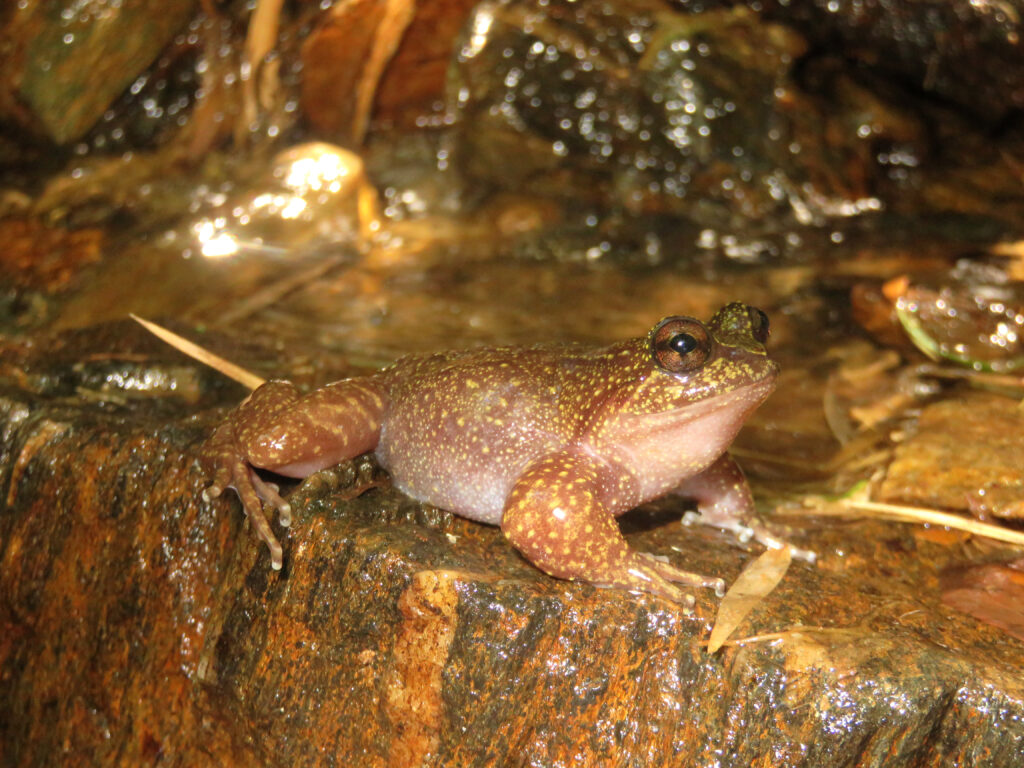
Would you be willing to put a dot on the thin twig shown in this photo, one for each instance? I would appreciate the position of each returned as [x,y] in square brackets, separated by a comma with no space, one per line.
[193,350]
[935,517]
[273,293]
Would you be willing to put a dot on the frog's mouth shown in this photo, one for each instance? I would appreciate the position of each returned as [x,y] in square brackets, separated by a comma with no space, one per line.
[745,399]
[729,375]
[759,389]
[707,403]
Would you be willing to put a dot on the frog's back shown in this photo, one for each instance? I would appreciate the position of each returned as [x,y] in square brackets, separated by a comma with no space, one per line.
[460,427]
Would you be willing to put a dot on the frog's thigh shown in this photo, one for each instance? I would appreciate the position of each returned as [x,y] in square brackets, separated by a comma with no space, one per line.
[555,517]
[294,434]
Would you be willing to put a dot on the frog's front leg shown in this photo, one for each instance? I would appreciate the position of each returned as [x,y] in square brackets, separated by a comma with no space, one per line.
[557,517]
[724,501]
[278,429]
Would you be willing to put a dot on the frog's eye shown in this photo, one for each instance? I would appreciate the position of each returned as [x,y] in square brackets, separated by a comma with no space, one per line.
[680,344]
[758,324]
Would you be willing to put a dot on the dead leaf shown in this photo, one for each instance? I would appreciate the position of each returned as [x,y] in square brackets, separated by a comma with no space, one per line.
[344,59]
[990,592]
[756,582]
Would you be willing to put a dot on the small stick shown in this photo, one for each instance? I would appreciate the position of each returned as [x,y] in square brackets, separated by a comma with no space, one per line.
[180,343]
[935,517]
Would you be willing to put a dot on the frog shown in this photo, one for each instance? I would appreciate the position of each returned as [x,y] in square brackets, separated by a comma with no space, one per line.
[552,443]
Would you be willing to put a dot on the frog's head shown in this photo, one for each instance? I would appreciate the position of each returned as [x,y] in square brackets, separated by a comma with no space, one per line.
[724,361]
[694,386]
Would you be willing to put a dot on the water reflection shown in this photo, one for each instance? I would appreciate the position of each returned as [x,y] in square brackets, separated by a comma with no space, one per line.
[311,193]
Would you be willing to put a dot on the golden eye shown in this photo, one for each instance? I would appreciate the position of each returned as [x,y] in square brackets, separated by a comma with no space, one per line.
[679,344]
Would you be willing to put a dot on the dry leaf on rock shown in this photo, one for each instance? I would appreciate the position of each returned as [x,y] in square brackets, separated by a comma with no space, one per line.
[751,587]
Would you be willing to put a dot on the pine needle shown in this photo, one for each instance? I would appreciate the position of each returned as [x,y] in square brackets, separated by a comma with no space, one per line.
[193,350]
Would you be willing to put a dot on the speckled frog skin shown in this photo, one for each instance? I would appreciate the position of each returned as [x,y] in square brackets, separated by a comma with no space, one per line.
[550,442]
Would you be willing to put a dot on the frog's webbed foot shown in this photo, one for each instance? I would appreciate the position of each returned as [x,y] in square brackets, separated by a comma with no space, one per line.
[745,531]
[556,518]
[763,535]
[224,462]
[640,573]
[668,571]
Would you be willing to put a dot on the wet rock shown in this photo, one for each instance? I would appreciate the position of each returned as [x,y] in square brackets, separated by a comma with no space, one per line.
[45,259]
[957,50]
[141,624]
[66,62]
[965,454]
[740,121]
[311,194]
[38,262]
[656,109]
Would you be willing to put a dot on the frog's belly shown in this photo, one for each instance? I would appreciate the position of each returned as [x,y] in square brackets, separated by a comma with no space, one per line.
[460,470]
[478,498]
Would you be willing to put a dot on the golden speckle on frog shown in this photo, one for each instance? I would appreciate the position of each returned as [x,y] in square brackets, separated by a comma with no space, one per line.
[549,442]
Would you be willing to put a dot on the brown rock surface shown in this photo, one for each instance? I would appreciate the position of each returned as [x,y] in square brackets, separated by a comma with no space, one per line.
[966,454]
[924,43]
[66,62]
[141,624]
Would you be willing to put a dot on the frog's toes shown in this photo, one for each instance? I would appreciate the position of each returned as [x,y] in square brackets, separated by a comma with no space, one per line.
[276,554]
[276,551]
[690,517]
[763,535]
[807,555]
[644,579]
[222,477]
[666,570]
[252,491]
[269,493]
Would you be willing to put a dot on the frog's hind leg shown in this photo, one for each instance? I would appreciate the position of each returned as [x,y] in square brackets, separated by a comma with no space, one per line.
[296,435]
[283,431]
[556,517]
